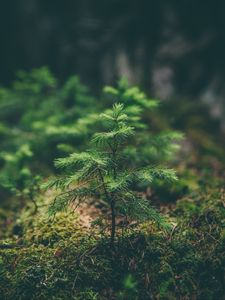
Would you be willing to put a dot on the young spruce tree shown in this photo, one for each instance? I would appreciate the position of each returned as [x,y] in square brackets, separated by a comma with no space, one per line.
[104,171]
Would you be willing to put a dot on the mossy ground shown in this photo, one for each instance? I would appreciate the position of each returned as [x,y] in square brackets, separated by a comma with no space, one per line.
[61,259]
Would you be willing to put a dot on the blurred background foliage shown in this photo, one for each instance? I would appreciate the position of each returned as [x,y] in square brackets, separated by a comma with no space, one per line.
[174,49]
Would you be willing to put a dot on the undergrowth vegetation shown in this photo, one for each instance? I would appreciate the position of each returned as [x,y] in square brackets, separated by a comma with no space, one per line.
[141,234]
[61,260]
[105,171]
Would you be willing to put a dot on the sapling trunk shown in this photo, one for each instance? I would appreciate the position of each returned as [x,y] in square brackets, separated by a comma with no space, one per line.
[112,204]
[113,222]
[35,205]
[32,198]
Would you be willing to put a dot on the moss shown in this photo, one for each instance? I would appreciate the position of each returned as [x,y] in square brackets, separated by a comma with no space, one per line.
[59,259]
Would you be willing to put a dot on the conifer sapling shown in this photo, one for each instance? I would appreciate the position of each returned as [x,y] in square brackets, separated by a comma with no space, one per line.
[106,172]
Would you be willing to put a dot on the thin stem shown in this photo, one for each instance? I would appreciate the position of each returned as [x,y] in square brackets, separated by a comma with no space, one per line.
[35,205]
[112,205]
[113,221]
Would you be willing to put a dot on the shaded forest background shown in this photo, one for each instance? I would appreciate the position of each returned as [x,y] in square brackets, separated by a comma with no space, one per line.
[169,50]
[174,49]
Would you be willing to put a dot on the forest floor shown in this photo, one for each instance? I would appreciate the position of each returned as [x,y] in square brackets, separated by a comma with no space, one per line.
[69,258]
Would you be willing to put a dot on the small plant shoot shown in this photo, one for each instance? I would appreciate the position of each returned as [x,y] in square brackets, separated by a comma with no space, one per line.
[106,171]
